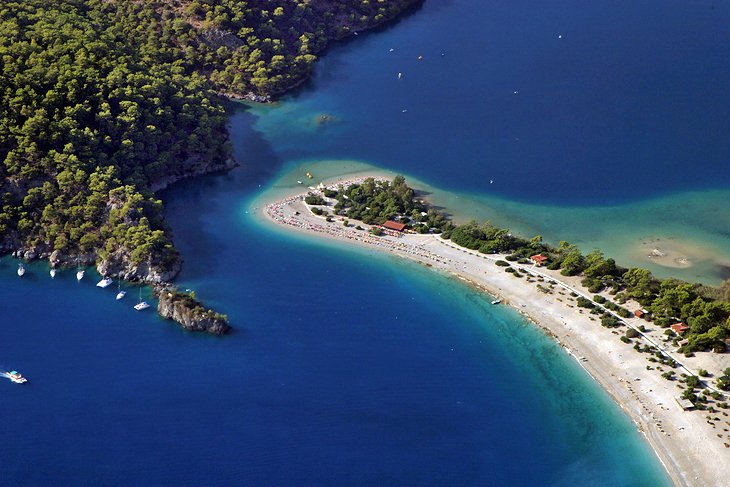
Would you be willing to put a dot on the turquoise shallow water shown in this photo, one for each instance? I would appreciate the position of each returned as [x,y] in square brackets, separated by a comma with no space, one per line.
[348,368]
[617,132]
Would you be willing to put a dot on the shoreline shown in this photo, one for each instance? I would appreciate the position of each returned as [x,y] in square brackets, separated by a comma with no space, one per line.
[691,451]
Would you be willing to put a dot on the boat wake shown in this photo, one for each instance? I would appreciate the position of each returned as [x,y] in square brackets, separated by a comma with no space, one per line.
[13,376]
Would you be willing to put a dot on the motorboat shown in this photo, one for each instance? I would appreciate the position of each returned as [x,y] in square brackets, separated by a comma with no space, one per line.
[104,282]
[79,274]
[53,273]
[21,270]
[15,376]
[496,301]
[121,294]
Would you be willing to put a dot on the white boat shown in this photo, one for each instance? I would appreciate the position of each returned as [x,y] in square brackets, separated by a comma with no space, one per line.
[496,301]
[15,376]
[21,270]
[53,273]
[299,182]
[121,293]
[142,304]
[104,282]
[79,274]
[400,75]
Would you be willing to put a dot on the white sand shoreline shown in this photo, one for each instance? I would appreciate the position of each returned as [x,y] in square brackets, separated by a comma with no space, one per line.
[690,448]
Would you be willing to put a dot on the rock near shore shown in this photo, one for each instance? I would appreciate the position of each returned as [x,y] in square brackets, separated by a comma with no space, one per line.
[189,313]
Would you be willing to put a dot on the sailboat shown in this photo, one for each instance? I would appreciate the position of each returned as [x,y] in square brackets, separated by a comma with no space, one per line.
[53,273]
[142,304]
[21,269]
[80,271]
[121,292]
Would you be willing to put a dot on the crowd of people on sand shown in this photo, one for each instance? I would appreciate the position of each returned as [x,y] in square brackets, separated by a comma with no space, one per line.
[283,213]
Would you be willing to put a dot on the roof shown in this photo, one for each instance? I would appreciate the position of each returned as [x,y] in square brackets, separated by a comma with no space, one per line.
[684,403]
[394,225]
[679,327]
[539,258]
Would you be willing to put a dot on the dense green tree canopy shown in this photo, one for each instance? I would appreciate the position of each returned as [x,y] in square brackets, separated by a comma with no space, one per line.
[102,101]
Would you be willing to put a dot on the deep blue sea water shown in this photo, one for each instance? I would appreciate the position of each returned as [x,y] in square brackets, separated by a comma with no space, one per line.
[348,368]
[616,135]
[565,102]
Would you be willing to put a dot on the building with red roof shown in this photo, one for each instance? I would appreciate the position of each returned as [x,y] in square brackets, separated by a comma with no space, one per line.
[398,227]
[539,259]
[679,328]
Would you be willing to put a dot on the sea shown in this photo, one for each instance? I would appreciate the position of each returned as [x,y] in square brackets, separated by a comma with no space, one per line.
[603,123]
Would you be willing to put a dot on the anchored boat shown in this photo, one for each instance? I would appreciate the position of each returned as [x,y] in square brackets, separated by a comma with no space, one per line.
[121,292]
[141,304]
[104,282]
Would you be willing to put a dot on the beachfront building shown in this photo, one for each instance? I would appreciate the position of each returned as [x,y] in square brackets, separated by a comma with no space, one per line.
[391,225]
[539,259]
[679,328]
[642,313]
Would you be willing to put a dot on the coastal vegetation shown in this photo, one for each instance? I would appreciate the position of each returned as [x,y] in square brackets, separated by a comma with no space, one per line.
[376,201]
[703,311]
[103,102]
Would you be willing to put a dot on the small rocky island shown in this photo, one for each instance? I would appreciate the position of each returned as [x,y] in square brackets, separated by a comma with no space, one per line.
[189,312]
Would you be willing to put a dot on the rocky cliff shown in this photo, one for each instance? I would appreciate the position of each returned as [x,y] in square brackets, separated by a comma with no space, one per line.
[189,313]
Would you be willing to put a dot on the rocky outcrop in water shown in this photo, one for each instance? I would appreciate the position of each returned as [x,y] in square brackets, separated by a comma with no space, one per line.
[189,313]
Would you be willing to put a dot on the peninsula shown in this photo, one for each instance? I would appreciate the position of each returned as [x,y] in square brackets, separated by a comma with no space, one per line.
[624,327]
[105,103]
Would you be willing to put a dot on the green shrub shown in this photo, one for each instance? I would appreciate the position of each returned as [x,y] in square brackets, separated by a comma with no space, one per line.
[314,199]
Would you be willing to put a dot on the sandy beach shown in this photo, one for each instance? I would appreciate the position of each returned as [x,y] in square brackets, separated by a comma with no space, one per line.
[692,445]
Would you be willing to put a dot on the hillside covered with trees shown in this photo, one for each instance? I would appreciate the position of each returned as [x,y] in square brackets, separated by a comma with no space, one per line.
[104,101]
